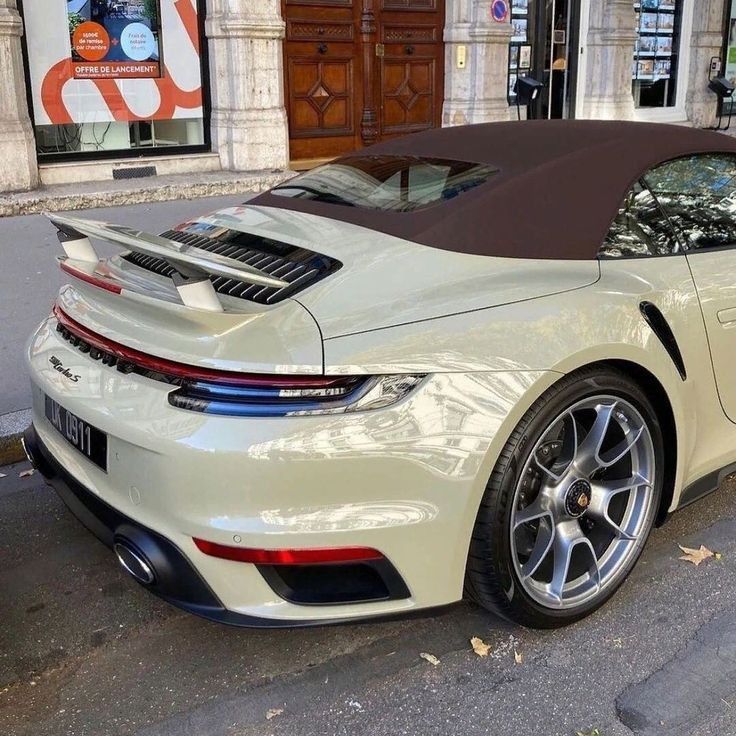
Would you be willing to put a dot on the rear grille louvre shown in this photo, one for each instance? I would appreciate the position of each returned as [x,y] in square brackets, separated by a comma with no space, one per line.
[298,266]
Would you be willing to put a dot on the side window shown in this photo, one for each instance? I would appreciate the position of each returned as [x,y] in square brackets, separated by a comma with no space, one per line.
[698,193]
[640,229]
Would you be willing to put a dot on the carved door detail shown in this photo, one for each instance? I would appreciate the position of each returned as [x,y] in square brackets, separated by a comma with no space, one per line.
[358,71]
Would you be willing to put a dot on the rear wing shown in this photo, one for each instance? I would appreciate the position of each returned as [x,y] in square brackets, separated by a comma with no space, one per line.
[193,265]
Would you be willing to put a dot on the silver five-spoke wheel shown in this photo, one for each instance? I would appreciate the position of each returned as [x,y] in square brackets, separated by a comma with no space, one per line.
[583,502]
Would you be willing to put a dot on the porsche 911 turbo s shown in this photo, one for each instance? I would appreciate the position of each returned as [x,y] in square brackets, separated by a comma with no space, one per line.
[477,361]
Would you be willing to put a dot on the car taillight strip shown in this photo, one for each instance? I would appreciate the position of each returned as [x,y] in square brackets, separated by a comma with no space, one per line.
[99,281]
[131,360]
[314,556]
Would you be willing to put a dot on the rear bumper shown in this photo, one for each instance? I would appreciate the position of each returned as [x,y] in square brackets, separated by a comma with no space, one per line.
[176,580]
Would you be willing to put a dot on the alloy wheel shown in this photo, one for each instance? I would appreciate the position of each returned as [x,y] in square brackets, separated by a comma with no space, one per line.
[583,502]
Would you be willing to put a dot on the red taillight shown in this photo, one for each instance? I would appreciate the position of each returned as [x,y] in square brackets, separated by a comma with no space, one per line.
[287,556]
[91,278]
[174,369]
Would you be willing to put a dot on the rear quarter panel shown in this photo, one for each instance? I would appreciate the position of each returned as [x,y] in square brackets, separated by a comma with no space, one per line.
[555,335]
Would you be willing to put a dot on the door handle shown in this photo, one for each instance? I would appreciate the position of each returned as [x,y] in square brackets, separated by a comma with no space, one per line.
[409,50]
[322,48]
[727,316]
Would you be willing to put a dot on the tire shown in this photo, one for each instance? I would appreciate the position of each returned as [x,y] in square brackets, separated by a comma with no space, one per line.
[532,503]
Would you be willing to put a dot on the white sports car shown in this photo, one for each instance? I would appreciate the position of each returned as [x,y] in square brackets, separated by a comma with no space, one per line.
[481,360]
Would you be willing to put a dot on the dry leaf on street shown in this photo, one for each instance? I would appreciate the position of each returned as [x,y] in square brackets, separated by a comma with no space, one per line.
[273,712]
[27,473]
[480,647]
[518,657]
[430,658]
[696,556]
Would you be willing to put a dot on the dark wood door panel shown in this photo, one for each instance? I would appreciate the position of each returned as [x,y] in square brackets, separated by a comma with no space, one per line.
[408,94]
[321,97]
[359,70]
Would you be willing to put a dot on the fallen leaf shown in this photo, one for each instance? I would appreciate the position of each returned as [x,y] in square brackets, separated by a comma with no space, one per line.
[480,647]
[718,556]
[430,658]
[27,473]
[594,732]
[273,712]
[696,556]
[518,657]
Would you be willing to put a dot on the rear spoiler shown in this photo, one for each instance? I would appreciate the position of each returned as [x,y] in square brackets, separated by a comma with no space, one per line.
[193,265]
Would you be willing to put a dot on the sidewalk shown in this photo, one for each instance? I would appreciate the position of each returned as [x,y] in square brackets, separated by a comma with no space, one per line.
[113,193]
[30,279]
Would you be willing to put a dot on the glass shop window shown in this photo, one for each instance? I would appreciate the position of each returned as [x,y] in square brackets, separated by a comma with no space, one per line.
[698,193]
[640,229]
[654,72]
[114,75]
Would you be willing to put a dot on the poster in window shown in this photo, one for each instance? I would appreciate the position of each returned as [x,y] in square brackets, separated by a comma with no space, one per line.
[525,57]
[519,30]
[114,39]
[662,68]
[648,22]
[666,22]
[645,69]
[94,61]
[664,45]
[646,45]
[520,7]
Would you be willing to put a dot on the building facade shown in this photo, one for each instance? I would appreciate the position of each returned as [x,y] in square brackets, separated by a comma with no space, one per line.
[94,88]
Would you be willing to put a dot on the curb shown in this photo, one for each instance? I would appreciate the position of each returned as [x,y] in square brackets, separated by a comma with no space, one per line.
[11,430]
[156,189]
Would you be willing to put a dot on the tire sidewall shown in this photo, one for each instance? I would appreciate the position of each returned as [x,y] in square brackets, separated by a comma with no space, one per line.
[538,419]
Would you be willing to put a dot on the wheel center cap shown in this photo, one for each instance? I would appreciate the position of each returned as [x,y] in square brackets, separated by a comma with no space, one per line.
[577,498]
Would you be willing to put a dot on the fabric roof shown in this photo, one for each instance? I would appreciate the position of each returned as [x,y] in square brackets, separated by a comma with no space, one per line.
[559,187]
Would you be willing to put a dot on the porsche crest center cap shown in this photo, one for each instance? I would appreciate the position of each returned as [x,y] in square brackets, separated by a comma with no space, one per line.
[577,498]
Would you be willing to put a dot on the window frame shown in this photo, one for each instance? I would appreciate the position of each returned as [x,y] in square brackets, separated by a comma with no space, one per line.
[678,112]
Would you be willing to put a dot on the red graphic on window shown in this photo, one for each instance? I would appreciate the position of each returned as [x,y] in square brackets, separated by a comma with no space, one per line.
[104,74]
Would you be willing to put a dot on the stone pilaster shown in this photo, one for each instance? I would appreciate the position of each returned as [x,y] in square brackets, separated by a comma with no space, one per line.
[706,42]
[610,48]
[18,168]
[477,93]
[249,129]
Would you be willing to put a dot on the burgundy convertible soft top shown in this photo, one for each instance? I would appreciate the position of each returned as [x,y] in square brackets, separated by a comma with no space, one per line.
[559,186]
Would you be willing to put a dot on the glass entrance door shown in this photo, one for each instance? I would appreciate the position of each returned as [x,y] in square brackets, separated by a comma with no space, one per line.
[545,45]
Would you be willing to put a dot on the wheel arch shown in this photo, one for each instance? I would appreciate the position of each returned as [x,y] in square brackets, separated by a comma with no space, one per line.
[656,392]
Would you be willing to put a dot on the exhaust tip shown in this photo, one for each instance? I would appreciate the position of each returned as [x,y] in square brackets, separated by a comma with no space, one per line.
[134,562]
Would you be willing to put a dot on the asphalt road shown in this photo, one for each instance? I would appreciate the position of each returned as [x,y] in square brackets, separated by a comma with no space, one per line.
[85,651]
[30,276]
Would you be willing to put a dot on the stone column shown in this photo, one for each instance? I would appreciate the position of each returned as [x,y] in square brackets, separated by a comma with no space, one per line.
[707,41]
[477,93]
[18,168]
[249,128]
[610,46]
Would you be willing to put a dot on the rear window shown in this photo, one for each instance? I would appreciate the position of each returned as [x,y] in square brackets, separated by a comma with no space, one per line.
[387,183]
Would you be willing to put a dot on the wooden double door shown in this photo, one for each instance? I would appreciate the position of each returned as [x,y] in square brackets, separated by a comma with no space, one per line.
[361,71]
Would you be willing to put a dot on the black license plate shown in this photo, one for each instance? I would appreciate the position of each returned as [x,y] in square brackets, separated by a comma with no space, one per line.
[89,440]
